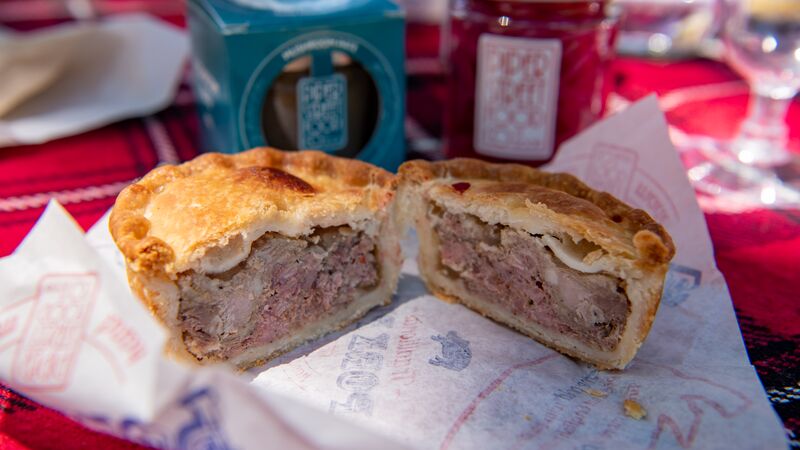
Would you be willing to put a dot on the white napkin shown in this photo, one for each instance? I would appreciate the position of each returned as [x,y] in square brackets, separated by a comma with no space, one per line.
[84,76]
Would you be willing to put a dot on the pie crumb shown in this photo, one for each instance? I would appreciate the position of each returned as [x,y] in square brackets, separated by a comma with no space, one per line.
[528,418]
[596,393]
[634,410]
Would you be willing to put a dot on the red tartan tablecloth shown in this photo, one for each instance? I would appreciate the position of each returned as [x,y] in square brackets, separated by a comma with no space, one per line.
[758,252]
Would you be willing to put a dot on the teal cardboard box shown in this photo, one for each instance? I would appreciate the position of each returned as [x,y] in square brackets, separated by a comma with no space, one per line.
[301,74]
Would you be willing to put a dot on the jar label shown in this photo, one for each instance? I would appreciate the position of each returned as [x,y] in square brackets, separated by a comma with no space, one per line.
[322,112]
[516,97]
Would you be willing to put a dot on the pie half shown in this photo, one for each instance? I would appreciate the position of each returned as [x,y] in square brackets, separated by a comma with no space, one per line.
[573,268]
[246,256]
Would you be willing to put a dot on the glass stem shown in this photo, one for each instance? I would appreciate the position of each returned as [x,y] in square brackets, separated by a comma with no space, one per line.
[766,119]
[763,135]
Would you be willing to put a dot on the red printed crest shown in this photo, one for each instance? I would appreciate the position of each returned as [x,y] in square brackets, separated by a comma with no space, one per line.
[54,333]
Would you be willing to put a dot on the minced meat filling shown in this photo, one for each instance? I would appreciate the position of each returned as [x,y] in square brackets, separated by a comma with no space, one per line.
[283,284]
[517,271]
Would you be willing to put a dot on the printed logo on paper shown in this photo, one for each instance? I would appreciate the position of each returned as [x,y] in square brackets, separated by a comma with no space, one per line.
[516,97]
[322,112]
[203,430]
[456,354]
[361,363]
[611,169]
[615,169]
[680,282]
[53,336]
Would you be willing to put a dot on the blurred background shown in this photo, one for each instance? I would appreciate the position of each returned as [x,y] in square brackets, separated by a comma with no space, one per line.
[676,49]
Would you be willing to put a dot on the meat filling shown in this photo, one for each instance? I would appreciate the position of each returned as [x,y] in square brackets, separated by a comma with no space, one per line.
[284,283]
[518,272]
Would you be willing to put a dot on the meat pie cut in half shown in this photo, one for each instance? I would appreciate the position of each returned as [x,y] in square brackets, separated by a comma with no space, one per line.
[573,268]
[244,257]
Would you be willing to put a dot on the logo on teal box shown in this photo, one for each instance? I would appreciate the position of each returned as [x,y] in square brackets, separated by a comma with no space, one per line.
[248,51]
[322,112]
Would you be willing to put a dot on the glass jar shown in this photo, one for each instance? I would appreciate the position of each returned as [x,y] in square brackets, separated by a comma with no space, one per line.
[524,75]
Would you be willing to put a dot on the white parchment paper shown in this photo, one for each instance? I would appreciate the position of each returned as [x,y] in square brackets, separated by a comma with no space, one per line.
[420,373]
[436,375]
[127,66]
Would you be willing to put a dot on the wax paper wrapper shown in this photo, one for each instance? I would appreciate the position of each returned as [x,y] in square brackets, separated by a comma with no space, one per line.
[125,66]
[419,373]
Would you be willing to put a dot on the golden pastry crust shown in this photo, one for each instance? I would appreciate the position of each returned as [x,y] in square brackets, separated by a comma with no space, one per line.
[630,244]
[513,185]
[203,216]
[170,218]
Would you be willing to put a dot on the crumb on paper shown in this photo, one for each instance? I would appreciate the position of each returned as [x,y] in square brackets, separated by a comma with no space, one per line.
[634,410]
[527,417]
[596,393]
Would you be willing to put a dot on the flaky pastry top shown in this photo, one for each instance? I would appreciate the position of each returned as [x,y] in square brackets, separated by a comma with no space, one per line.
[523,192]
[205,213]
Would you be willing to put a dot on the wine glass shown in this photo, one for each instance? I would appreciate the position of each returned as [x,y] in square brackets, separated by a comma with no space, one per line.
[762,38]
[762,42]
